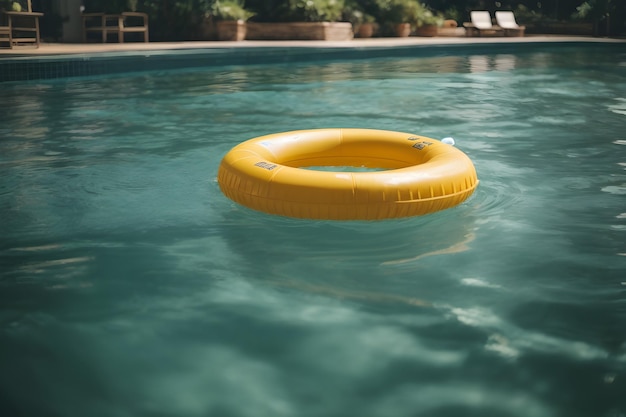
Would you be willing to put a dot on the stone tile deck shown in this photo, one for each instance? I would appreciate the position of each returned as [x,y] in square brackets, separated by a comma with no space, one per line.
[54,60]
[94,48]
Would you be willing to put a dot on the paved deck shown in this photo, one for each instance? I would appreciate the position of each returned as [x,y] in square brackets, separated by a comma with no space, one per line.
[95,48]
[55,60]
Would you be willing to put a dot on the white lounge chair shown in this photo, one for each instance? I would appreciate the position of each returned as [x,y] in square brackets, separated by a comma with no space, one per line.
[481,24]
[506,20]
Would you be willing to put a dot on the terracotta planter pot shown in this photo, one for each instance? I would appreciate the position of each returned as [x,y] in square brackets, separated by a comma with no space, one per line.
[320,31]
[403,30]
[231,30]
[426,30]
[366,30]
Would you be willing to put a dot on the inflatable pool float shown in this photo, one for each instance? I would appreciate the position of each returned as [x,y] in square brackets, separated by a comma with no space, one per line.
[417,176]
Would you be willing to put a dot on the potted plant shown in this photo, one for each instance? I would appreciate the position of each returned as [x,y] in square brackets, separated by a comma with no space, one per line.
[291,19]
[230,20]
[400,16]
[596,12]
[362,23]
[367,27]
[427,22]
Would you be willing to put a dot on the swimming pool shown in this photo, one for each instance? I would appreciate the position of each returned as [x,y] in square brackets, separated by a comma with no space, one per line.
[131,286]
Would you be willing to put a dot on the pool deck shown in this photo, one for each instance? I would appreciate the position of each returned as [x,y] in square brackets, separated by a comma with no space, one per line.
[63,60]
[48,49]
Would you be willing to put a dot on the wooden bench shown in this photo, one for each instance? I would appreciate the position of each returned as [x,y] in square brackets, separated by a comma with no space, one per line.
[117,25]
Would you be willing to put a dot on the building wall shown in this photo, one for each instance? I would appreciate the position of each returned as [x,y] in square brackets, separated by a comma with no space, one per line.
[70,10]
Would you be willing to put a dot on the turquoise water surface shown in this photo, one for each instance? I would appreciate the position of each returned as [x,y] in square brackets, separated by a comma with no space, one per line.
[130,286]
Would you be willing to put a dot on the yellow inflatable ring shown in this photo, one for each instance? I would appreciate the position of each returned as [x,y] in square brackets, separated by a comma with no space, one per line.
[421,175]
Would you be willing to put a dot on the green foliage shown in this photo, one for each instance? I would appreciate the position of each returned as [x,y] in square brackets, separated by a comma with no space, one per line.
[397,11]
[529,17]
[230,10]
[174,20]
[184,19]
[592,10]
[315,10]
[190,7]
[453,13]
[429,17]
[354,12]
[13,5]
[408,11]
[357,17]
[108,6]
[297,10]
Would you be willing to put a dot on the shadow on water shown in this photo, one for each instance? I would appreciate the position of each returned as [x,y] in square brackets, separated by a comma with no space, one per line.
[368,261]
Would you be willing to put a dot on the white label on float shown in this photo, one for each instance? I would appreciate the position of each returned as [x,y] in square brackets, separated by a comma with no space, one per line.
[265,165]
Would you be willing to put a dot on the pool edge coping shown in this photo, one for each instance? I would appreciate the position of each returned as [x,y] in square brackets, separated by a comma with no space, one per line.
[56,61]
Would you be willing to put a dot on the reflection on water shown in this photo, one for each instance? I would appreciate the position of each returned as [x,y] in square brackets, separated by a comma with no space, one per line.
[129,285]
[484,63]
[457,247]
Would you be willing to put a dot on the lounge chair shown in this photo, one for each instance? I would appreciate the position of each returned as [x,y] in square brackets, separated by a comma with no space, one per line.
[506,20]
[481,24]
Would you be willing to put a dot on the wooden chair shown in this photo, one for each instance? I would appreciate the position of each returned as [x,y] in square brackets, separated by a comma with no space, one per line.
[117,25]
[20,28]
[6,34]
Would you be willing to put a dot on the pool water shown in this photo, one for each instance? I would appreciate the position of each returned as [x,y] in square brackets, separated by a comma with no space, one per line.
[130,286]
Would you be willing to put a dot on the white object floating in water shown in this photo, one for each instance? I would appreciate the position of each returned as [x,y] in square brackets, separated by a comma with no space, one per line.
[448,141]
